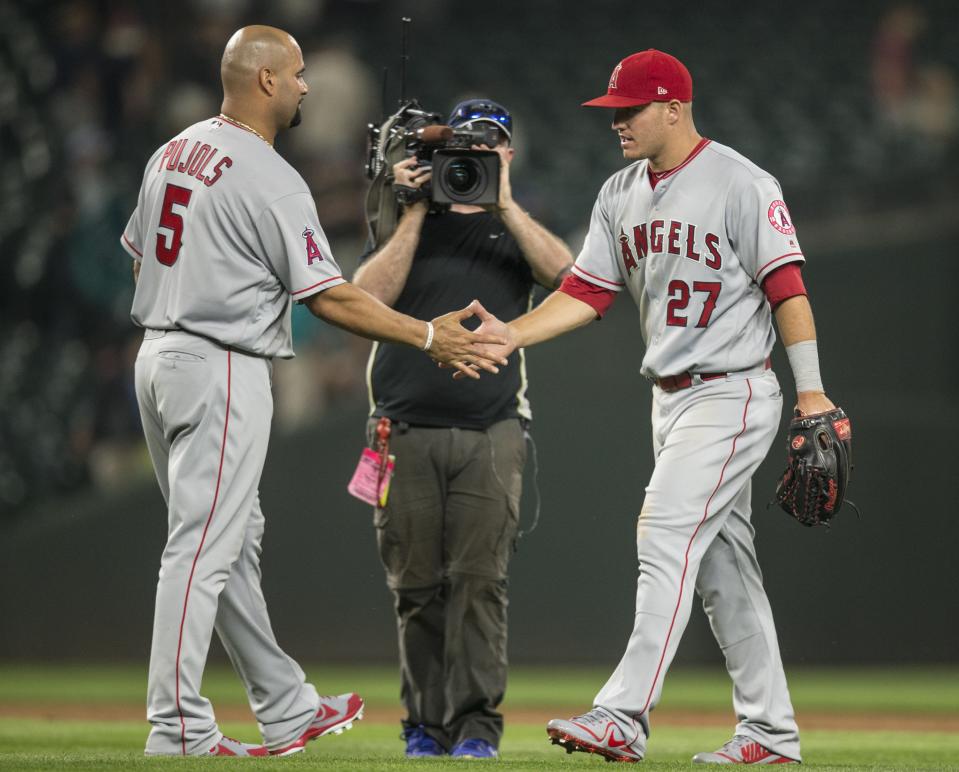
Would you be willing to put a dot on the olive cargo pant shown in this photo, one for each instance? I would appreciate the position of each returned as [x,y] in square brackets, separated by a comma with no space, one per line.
[445,538]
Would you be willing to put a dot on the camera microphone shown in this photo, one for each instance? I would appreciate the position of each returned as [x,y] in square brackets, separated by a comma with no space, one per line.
[434,135]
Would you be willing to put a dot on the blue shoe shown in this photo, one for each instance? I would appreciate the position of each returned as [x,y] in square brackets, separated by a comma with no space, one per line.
[474,748]
[419,744]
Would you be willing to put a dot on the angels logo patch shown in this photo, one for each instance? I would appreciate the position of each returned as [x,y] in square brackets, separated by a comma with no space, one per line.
[312,250]
[779,218]
[798,442]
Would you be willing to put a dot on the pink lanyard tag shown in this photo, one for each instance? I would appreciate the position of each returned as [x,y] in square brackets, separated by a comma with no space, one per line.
[371,480]
[370,483]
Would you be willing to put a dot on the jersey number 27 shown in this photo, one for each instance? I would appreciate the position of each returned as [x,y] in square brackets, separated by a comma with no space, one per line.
[679,300]
[168,246]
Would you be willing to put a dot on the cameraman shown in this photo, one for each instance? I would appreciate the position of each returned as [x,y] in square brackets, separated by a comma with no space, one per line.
[451,519]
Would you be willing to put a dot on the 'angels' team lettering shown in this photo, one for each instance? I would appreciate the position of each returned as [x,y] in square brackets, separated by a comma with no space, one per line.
[676,238]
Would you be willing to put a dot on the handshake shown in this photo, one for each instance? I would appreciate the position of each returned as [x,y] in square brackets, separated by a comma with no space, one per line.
[452,346]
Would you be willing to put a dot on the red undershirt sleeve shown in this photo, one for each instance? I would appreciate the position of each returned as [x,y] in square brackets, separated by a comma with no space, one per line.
[599,298]
[783,283]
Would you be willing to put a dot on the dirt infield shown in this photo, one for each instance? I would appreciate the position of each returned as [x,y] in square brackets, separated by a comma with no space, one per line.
[911,722]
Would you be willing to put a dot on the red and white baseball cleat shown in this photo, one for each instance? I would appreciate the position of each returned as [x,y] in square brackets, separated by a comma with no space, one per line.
[334,716]
[230,747]
[599,731]
[742,750]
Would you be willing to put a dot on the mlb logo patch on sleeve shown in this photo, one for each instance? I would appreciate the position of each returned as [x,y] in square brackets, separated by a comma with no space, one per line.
[312,250]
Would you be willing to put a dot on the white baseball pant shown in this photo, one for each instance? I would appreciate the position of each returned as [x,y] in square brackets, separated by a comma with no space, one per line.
[206,415]
[694,531]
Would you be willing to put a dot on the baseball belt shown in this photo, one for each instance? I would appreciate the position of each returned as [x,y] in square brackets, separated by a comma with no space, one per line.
[671,383]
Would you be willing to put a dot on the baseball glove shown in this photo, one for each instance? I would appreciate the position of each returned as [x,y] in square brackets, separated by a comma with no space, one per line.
[819,452]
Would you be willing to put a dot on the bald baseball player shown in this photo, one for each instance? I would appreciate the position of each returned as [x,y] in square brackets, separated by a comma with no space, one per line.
[702,240]
[224,238]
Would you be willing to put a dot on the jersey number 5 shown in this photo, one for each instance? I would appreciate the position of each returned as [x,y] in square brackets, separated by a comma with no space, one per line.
[168,248]
[679,300]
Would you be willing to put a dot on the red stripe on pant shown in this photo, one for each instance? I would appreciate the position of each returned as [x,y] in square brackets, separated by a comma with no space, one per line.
[209,519]
[692,538]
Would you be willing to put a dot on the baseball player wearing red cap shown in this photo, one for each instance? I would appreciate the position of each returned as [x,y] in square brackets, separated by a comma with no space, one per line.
[701,238]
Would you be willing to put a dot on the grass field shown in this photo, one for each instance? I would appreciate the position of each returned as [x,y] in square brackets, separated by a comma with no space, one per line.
[81,718]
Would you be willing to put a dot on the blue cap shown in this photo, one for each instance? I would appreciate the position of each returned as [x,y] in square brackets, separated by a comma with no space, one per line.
[482,110]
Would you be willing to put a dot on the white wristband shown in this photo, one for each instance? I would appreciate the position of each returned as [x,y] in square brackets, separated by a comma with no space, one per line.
[804,361]
[429,336]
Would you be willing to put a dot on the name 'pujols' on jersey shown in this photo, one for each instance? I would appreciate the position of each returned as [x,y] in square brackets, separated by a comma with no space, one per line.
[676,238]
[196,162]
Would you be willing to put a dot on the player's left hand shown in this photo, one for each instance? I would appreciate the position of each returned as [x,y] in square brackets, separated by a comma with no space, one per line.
[813,402]
[505,153]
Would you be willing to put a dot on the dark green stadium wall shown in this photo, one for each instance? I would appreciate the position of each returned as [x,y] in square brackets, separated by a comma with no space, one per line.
[78,578]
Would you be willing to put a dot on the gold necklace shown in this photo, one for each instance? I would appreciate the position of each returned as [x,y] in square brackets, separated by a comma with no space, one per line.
[244,126]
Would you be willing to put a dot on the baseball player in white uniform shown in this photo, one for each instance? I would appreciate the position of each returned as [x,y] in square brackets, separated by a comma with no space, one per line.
[701,238]
[224,238]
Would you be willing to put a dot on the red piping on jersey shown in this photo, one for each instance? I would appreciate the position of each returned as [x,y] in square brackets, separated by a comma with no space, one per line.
[599,278]
[655,177]
[314,286]
[209,519]
[777,259]
[692,538]
[124,236]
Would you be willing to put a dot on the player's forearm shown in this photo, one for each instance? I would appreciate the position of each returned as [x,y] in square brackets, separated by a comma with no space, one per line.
[547,255]
[356,310]
[795,320]
[556,315]
[798,332]
[384,274]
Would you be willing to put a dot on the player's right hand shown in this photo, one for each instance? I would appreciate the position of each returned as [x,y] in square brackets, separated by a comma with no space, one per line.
[492,326]
[813,403]
[468,352]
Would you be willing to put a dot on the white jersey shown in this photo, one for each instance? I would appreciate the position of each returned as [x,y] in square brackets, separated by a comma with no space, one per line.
[228,237]
[693,251]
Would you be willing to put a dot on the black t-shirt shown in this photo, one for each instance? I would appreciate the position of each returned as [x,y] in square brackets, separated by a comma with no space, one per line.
[460,257]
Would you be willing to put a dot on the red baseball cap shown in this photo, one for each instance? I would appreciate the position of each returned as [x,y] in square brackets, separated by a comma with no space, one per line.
[649,76]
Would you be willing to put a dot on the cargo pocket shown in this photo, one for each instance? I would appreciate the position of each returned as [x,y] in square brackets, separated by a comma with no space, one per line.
[507,459]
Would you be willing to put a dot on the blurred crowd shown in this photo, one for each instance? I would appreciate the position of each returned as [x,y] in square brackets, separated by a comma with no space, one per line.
[89,88]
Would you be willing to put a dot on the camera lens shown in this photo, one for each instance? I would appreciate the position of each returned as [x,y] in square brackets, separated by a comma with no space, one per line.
[463,176]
